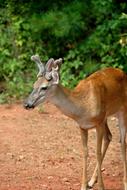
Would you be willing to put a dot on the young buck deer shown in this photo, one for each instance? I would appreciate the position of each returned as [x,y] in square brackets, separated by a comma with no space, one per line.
[89,104]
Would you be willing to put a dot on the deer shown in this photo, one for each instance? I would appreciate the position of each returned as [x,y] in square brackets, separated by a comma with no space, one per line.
[90,103]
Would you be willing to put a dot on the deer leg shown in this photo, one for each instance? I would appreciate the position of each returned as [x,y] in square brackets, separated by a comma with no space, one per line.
[123,127]
[123,148]
[84,137]
[100,133]
[107,139]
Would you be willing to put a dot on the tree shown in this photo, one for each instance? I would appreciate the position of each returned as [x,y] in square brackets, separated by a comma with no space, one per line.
[89,35]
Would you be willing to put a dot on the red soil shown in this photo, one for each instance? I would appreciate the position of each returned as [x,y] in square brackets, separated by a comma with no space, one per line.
[41,150]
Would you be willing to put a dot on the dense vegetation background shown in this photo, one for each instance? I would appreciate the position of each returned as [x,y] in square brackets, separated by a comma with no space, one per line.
[88,34]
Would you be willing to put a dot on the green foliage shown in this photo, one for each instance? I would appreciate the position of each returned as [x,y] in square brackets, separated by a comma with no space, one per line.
[89,35]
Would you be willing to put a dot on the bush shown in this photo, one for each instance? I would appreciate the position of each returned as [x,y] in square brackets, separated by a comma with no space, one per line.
[89,35]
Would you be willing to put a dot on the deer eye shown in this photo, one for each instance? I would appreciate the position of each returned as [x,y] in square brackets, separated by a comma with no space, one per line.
[43,87]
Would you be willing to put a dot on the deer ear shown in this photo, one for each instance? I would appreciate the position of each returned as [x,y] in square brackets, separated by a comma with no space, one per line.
[55,77]
[49,64]
[55,71]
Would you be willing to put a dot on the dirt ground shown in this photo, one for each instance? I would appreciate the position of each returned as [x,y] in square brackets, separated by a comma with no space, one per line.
[40,149]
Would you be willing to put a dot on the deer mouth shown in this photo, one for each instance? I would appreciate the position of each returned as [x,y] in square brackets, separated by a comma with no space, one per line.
[28,106]
[31,105]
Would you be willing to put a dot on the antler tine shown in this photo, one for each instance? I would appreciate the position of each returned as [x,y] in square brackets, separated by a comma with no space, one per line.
[40,65]
[58,61]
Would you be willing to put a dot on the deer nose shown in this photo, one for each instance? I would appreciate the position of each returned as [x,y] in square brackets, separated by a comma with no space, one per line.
[28,105]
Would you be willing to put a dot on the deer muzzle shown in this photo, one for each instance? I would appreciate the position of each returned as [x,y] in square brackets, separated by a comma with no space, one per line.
[30,101]
[28,105]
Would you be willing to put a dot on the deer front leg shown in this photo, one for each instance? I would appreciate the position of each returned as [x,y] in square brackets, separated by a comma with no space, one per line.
[107,139]
[100,133]
[84,137]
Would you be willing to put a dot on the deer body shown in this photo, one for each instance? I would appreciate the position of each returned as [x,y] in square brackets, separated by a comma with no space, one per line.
[91,102]
[94,98]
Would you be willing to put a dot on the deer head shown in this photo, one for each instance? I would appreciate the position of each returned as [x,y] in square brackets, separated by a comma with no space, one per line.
[47,80]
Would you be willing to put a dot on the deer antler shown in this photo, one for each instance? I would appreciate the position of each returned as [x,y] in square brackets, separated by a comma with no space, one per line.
[52,67]
[40,65]
[57,62]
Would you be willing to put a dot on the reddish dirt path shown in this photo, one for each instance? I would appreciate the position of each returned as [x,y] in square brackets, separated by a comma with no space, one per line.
[42,151]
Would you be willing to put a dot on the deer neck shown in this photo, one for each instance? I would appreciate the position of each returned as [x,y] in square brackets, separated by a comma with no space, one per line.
[67,102]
